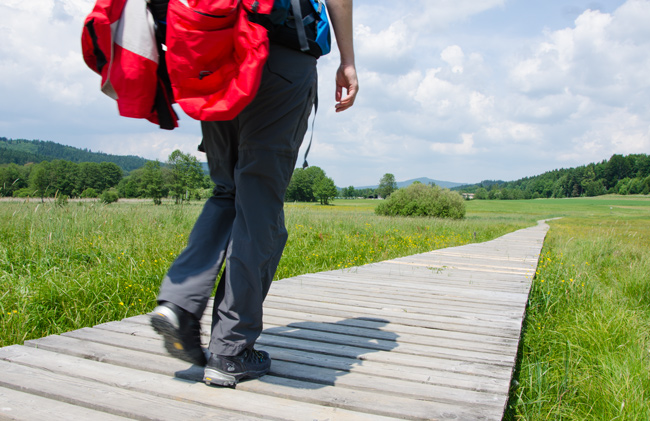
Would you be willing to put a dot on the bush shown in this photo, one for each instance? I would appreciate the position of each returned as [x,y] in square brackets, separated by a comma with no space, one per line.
[25,192]
[89,193]
[423,200]
[110,196]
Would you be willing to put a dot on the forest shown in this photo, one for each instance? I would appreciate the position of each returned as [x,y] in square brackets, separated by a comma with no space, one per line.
[35,168]
[619,175]
[21,152]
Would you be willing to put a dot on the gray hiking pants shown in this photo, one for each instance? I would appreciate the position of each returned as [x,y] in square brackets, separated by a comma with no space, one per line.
[251,160]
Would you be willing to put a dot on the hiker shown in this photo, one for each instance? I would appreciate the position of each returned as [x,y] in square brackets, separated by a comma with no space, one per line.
[251,159]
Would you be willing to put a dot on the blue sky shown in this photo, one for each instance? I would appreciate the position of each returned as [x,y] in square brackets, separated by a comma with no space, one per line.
[454,90]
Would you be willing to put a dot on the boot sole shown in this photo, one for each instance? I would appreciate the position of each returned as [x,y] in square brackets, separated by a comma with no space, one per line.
[219,378]
[163,324]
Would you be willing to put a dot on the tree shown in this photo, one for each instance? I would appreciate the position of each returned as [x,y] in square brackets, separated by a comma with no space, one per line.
[387,185]
[186,175]
[303,184]
[131,186]
[11,180]
[111,174]
[300,188]
[325,189]
[481,194]
[152,181]
[39,179]
[89,176]
[348,192]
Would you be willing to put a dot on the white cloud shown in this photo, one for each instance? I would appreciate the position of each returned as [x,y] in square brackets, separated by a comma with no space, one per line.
[454,56]
[388,50]
[466,147]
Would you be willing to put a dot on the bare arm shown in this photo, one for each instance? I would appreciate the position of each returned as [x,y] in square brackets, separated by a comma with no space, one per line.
[340,12]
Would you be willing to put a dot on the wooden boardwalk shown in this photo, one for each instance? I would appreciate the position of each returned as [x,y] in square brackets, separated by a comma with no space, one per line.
[429,336]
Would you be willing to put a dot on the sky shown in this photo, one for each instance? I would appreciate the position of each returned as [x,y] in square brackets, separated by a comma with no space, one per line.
[453,90]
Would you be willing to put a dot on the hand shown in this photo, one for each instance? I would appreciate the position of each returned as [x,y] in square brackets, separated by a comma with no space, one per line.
[346,78]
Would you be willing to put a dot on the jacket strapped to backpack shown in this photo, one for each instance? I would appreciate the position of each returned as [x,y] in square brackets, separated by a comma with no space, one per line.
[118,42]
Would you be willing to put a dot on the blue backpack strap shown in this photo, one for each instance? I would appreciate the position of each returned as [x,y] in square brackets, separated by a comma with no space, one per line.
[323,37]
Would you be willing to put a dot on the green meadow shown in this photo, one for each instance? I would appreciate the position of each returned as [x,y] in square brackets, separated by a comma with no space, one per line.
[585,350]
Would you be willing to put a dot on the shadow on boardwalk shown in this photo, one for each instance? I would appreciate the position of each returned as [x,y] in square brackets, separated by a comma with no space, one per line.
[316,353]
[320,353]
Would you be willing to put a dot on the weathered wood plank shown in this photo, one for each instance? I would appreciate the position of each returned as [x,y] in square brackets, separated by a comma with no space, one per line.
[15,405]
[165,386]
[336,290]
[448,362]
[97,396]
[466,291]
[394,284]
[404,305]
[143,329]
[397,315]
[421,375]
[301,391]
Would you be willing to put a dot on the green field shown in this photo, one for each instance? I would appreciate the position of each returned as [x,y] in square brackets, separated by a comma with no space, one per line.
[586,346]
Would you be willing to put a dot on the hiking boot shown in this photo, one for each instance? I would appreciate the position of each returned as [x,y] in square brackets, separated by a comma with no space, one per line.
[181,331]
[227,371]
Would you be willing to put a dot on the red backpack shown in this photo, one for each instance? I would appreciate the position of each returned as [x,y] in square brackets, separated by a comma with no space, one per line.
[215,55]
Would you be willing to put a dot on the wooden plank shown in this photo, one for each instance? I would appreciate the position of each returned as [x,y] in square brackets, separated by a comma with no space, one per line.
[434,300]
[389,335]
[165,386]
[143,329]
[418,277]
[428,324]
[405,333]
[447,361]
[392,345]
[390,386]
[466,291]
[97,396]
[397,315]
[15,405]
[410,280]
[415,374]
[345,298]
[302,391]
[336,290]
[432,362]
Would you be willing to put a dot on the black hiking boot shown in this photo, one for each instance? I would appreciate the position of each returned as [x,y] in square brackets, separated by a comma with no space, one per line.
[227,371]
[181,330]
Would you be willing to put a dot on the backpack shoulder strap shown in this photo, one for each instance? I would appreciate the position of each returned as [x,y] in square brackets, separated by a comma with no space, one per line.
[302,35]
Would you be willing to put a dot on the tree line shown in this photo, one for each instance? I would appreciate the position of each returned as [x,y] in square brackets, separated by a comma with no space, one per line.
[387,185]
[21,152]
[619,175]
[312,184]
[180,177]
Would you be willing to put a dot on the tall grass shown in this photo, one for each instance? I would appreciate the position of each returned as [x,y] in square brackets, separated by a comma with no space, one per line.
[67,267]
[586,343]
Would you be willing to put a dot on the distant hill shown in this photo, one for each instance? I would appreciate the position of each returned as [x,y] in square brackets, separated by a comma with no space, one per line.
[423,180]
[21,152]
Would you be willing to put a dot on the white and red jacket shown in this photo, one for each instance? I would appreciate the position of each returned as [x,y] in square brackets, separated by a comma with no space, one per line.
[215,56]
[119,43]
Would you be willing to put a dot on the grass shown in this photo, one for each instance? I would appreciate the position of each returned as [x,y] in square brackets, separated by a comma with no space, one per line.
[67,267]
[586,342]
[585,351]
